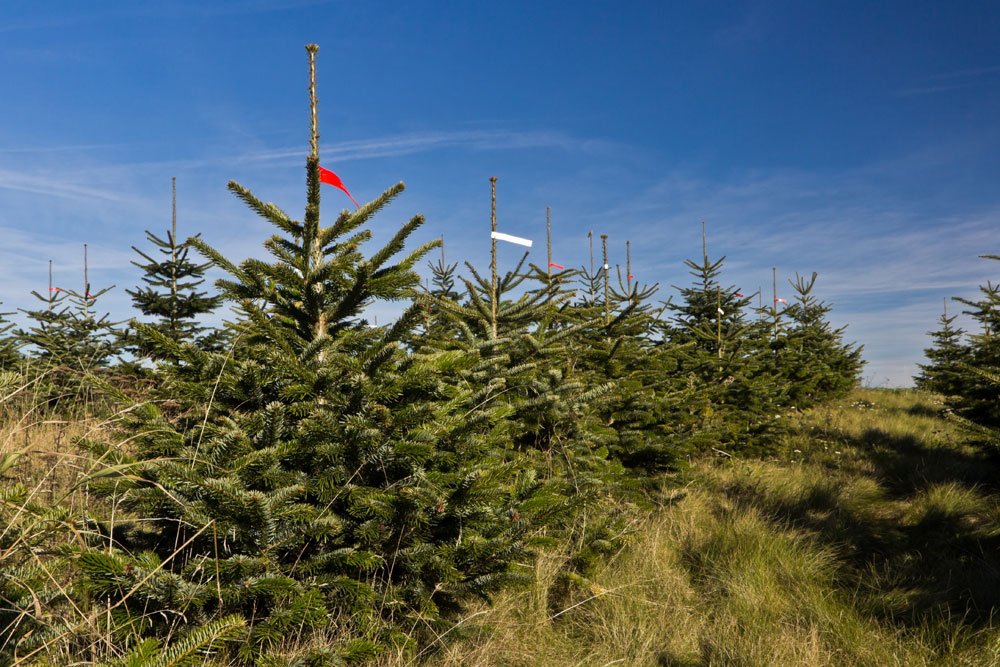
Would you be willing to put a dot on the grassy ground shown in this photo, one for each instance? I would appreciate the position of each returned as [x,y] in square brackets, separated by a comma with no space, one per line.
[871,540]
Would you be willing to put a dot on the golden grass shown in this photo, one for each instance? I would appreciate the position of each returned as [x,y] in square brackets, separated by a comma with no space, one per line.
[860,544]
[872,538]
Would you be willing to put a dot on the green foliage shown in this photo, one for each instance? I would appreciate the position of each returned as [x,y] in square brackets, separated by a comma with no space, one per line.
[945,373]
[68,342]
[30,534]
[10,344]
[816,363]
[317,471]
[171,292]
[976,396]
[193,648]
[727,362]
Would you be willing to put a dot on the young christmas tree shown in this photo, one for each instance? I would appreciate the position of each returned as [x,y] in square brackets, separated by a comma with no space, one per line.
[69,340]
[727,358]
[976,399]
[815,360]
[10,346]
[946,371]
[171,293]
[318,478]
[521,329]
[647,421]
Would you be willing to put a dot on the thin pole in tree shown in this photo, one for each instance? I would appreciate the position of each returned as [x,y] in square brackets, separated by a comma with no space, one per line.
[493,255]
[718,319]
[314,136]
[312,207]
[774,296]
[52,290]
[628,268]
[760,303]
[173,256]
[548,238]
[86,285]
[704,244]
[607,300]
[590,239]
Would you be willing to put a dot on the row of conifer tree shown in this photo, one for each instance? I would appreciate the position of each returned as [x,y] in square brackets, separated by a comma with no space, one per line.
[302,486]
[964,366]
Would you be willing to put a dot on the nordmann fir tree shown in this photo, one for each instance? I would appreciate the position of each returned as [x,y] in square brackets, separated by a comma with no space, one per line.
[335,489]
[518,326]
[725,356]
[645,418]
[947,358]
[976,399]
[818,365]
[10,355]
[171,292]
[69,340]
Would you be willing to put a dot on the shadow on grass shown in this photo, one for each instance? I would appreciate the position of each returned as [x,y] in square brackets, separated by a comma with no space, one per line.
[941,562]
[904,466]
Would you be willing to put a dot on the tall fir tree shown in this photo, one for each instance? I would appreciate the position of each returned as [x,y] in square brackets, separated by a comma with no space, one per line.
[317,475]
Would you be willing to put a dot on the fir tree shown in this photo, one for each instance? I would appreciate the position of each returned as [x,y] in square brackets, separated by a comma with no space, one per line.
[647,417]
[519,326]
[10,345]
[171,293]
[817,363]
[69,339]
[977,396]
[727,358]
[318,473]
[946,371]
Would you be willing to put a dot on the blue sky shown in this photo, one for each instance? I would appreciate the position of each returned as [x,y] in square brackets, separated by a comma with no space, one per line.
[859,140]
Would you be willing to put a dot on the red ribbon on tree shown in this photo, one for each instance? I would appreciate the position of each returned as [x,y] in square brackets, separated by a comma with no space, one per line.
[330,178]
[556,266]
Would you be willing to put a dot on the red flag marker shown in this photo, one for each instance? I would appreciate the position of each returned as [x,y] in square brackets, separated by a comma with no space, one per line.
[780,300]
[330,178]
[631,277]
[738,294]
[556,266]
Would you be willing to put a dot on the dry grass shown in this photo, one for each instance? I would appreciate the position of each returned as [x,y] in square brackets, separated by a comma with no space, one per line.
[871,540]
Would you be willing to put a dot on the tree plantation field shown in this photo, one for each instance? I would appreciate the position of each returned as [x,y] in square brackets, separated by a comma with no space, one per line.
[530,465]
[868,538]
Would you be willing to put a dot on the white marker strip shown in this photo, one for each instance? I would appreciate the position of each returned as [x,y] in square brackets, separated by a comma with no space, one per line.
[500,236]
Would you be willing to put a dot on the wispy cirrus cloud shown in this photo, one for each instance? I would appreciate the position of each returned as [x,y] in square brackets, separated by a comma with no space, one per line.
[50,184]
[420,142]
[67,148]
[944,82]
